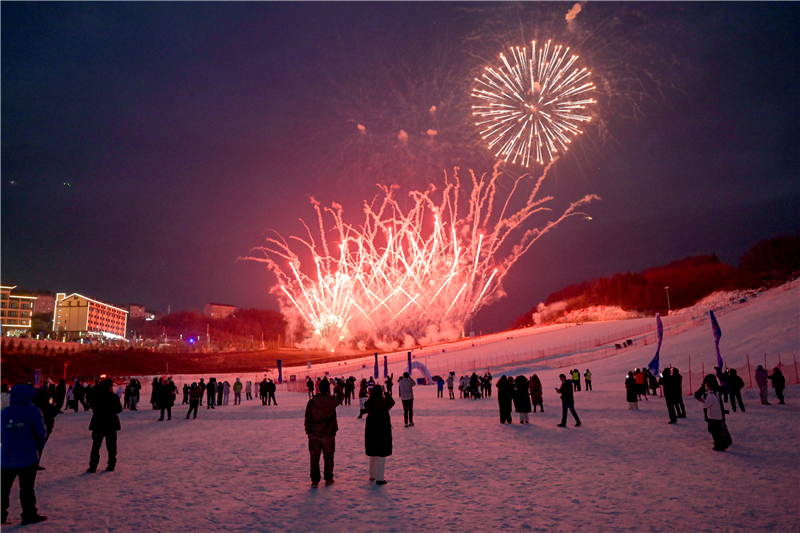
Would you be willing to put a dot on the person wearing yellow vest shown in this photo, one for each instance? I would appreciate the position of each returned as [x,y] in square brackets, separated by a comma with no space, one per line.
[576,380]
[587,377]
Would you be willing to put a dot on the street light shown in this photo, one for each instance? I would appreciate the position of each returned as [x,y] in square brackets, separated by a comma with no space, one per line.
[669,309]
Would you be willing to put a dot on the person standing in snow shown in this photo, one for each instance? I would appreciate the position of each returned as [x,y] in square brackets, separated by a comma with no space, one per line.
[262,391]
[668,383]
[450,381]
[195,395]
[378,433]
[630,393]
[778,383]
[248,390]
[641,387]
[761,381]
[440,387]
[522,401]
[271,393]
[722,378]
[389,383]
[104,424]
[237,392]
[347,387]
[406,387]
[536,393]
[226,392]
[23,438]
[715,414]
[211,393]
[166,399]
[567,402]
[576,380]
[505,394]
[321,427]
[185,394]
[220,392]
[587,378]
[735,386]
[362,398]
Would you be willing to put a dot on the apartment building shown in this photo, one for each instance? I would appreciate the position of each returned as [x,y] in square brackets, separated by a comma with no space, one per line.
[15,311]
[77,316]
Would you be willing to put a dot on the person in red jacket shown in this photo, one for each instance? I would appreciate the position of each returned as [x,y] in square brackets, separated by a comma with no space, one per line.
[321,427]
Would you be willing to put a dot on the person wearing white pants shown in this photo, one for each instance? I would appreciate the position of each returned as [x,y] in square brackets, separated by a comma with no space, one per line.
[378,433]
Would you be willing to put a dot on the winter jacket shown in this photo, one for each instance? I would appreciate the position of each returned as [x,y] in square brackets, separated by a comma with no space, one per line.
[778,381]
[505,393]
[566,392]
[406,388]
[450,382]
[761,377]
[522,402]
[440,384]
[713,406]
[165,397]
[105,408]
[630,390]
[587,376]
[321,414]
[576,376]
[237,387]
[677,382]
[536,390]
[378,429]
[735,383]
[23,430]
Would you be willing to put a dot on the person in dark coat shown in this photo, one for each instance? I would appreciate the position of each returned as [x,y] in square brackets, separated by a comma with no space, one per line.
[195,395]
[630,392]
[536,392]
[362,398]
[61,393]
[155,393]
[567,402]
[271,387]
[185,394]
[778,383]
[105,424]
[735,386]
[668,383]
[211,393]
[505,394]
[23,438]
[79,392]
[44,401]
[522,401]
[220,391]
[263,391]
[321,427]
[310,387]
[166,399]
[378,432]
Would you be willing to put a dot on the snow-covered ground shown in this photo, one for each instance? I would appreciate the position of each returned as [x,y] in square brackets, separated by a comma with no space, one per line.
[245,468]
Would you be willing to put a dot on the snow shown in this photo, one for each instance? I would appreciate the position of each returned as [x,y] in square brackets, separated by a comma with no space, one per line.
[245,468]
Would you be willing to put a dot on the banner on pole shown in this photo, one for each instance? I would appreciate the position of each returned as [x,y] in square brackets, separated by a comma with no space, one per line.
[717,335]
[385,367]
[655,364]
[375,374]
[280,371]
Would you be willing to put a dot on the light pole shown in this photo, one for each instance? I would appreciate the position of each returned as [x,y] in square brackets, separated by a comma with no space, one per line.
[308,362]
[669,309]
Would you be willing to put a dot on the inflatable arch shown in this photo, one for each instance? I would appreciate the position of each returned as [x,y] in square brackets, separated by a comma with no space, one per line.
[422,368]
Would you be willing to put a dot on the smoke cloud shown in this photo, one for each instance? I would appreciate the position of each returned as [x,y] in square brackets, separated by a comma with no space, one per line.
[572,13]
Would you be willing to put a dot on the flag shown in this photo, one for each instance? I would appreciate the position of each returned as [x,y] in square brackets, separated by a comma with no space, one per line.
[654,364]
[280,371]
[376,365]
[385,367]
[717,336]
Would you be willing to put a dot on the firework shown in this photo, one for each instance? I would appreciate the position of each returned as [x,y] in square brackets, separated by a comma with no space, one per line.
[533,108]
[406,276]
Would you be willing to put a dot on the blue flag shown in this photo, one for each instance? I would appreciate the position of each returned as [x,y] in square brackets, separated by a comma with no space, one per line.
[717,336]
[654,364]
[375,374]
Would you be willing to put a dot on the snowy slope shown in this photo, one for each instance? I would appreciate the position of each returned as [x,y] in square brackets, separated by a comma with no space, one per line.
[245,468]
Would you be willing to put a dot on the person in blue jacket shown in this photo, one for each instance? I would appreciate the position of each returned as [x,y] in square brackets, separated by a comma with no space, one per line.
[23,438]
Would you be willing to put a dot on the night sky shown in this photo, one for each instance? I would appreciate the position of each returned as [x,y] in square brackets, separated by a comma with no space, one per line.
[146,147]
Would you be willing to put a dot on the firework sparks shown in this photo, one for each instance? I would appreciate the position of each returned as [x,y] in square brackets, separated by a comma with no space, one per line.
[421,273]
[532,109]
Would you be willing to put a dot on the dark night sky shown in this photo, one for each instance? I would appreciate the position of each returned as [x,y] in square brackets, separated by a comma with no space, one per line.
[188,129]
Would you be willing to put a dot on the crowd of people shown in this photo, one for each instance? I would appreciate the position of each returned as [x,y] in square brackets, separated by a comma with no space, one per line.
[34,411]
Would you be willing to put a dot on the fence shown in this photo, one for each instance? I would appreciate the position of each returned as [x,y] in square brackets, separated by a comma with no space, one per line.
[787,364]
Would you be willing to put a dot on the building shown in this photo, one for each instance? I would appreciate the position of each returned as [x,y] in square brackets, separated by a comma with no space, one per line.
[219,310]
[45,303]
[77,317]
[15,312]
[136,311]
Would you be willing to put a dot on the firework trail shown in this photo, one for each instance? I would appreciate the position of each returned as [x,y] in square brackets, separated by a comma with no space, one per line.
[407,277]
[533,107]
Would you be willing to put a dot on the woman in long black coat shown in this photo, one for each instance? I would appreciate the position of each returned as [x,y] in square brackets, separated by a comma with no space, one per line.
[505,392]
[631,392]
[522,402]
[378,432]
